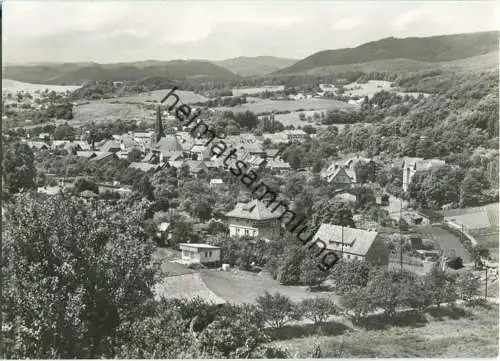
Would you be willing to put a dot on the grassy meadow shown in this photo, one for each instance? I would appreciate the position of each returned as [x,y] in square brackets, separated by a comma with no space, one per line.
[267,106]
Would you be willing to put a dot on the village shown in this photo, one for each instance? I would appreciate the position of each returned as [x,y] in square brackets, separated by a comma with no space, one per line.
[273,181]
[403,237]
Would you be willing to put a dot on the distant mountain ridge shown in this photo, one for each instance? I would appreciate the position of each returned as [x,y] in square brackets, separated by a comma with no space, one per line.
[391,54]
[78,73]
[429,49]
[257,65]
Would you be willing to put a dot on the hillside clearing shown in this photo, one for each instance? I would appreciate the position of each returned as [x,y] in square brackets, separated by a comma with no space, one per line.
[267,106]
[157,95]
[102,110]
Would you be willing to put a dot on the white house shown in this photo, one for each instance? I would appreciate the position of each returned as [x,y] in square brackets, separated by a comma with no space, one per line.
[199,253]
[412,165]
[253,219]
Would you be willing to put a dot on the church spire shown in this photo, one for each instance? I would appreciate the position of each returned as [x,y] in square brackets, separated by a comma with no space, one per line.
[159,133]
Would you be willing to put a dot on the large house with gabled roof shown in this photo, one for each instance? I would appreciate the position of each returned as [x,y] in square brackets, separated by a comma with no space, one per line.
[253,219]
[353,243]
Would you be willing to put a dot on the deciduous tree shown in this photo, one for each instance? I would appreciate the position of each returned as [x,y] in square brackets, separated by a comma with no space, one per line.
[73,275]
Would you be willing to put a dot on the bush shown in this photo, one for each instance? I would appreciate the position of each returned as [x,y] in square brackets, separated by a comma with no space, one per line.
[349,275]
[455,263]
[276,309]
[359,302]
[467,285]
[318,309]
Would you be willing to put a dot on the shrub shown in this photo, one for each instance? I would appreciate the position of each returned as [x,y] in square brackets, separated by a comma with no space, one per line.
[276,309]
[318,309]
[359,302]
[467,285]
[349,275]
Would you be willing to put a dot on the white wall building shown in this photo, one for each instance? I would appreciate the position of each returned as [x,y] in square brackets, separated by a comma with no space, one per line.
[199,253]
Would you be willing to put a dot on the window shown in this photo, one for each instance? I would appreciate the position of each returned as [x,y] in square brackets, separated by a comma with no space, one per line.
[209,253]
[348,256]
[246,232]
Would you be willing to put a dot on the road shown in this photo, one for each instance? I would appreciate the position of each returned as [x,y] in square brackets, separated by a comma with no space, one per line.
[447,241]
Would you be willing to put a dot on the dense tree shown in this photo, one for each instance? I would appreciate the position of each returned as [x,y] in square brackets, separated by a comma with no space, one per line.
[440,286]
[247,119]
[83,184]
[289,270]
[384,289]
[163,336]
[74,276]
[436,187]
[144,187]
[64,132]
[349,275]
[365,172]
[310,274]
[471,189]
[334,212]
[18,167]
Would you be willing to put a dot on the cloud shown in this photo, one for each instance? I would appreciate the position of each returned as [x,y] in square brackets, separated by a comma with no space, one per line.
[109,31]
[402,21]
[347,24]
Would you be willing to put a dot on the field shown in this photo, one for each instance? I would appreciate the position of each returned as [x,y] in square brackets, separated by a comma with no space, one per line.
[447,333]
[257,90]
[230,286]
[267,106]
[184,96]
[104,110]
[293,118]
[245,287]
[13,86]
[372,87]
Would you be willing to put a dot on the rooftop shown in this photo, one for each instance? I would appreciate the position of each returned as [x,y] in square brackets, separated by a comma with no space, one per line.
[254,209]
[198,245]
[356,241]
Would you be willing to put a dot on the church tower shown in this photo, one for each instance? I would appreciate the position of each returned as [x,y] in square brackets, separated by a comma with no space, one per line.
[159,132]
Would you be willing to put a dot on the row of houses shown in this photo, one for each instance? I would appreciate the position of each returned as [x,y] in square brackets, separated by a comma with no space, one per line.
[255,219]
[342,173]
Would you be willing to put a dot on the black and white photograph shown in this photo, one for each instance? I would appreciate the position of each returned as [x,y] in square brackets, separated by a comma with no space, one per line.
[249,179]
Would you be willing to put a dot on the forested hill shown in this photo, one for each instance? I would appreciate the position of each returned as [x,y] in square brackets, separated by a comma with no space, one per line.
[257,65]
[76,74]
[430,49]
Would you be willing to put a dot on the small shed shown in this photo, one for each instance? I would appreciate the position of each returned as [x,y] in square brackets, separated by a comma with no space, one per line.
[216,182]
[200,253]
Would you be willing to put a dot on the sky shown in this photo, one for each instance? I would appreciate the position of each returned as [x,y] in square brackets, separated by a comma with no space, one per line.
[112,31]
